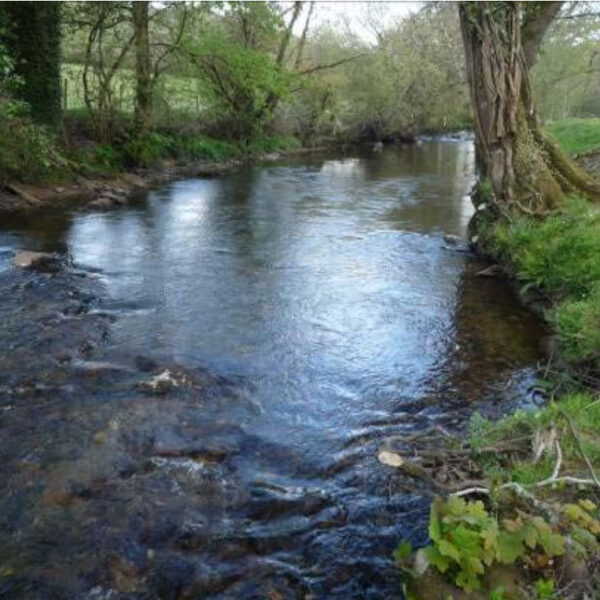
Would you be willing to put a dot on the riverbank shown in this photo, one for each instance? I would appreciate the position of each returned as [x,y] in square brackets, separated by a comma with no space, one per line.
[103,176]
[104,186]
[521,518]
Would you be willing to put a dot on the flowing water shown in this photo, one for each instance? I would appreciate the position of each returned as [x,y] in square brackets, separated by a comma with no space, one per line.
[305,311]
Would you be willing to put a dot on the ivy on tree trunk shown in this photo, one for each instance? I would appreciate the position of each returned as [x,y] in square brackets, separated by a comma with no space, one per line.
[143,68]
[526,169]
[33,39]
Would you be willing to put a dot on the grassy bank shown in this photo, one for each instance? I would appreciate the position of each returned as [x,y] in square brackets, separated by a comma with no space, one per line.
[576,136]
[528,525]
[157,148]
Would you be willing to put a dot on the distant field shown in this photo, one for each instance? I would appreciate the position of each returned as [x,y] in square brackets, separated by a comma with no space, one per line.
[182,92]
[576,136]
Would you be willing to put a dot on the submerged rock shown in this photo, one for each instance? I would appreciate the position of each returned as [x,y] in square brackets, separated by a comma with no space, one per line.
[491,271]
[452,239]
[102,202]
[164,382]
[40,261]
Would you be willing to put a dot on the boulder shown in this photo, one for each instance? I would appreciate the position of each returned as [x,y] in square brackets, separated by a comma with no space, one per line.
[134,180]
[102,202]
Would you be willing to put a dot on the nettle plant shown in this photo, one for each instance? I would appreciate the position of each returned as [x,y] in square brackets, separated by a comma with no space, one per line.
[466,539]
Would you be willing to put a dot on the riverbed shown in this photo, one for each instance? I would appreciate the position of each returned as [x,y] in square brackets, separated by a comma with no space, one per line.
[191,406]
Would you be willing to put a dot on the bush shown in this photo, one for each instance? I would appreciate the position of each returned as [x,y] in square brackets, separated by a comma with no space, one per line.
[27,150]
[149,150]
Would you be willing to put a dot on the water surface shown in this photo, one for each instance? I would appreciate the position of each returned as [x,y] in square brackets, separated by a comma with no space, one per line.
[311,308]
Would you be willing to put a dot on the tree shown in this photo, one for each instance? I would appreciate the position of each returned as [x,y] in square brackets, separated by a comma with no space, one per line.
[526,169]
[151,55]
[143,67]
[33,41]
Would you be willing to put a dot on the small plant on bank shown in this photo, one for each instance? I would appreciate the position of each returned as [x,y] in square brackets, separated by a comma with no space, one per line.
[467,540]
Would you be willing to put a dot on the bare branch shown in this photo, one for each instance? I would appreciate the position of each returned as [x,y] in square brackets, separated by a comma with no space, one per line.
[333,64]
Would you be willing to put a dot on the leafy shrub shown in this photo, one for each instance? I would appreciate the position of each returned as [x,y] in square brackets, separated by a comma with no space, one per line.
[149,150]
[27,150]
[204,148]
[273,144]
[466,539]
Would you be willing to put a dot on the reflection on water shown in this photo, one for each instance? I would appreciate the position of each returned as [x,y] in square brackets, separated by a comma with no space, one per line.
[315,307]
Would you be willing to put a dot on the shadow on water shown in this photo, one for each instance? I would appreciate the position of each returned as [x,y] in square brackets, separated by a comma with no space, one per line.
[306,309]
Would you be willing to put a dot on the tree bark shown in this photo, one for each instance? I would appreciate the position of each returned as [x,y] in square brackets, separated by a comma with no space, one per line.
[526,169]
[302,42]
[273,99]
[143,68]
[33,40]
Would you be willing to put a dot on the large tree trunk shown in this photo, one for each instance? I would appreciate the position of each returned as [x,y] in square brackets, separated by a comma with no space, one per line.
[33,40]
[525,168]
[143,68]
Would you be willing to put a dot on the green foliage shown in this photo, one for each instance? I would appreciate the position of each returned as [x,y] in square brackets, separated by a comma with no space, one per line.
[576,136]
[27,150]
[581,410]
[560,256]
[577,322]
[240,80]
[544,589]
[150,150]
[466,539]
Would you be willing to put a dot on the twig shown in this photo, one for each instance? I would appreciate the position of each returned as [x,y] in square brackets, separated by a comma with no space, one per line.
[557,466]
[581,450]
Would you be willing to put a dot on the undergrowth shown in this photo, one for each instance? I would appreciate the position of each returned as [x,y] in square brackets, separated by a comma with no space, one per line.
[533,473]
[156,148]
[559,255]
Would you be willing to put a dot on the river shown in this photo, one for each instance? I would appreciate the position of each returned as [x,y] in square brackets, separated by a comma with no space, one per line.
[305,310]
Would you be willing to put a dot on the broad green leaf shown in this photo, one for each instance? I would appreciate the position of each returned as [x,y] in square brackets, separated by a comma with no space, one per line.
[448,549]
[510,547]
[552,543]
[435,530]
[403,551]
[439,561]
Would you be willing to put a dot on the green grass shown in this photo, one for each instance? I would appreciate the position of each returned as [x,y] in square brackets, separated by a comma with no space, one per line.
[584,414]
[560,255]
[576,136]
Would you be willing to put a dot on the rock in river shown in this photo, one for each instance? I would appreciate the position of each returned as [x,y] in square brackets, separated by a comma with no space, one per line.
[40,261]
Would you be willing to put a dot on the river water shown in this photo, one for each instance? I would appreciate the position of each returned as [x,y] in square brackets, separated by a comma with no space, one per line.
[305,310]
